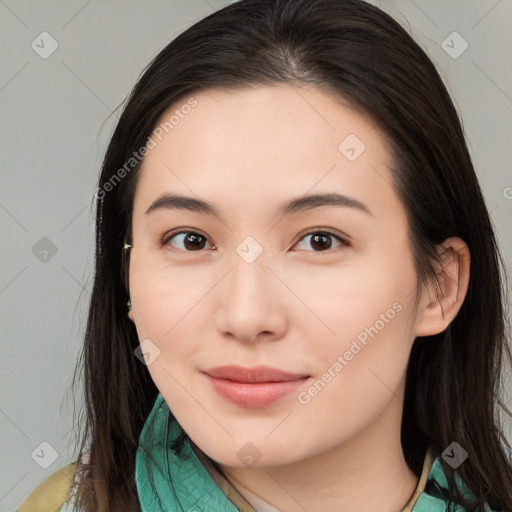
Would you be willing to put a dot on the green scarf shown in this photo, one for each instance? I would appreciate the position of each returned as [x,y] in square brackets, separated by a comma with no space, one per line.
[191,489]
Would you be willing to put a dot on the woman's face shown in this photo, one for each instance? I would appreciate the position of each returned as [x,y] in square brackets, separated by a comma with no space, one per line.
[263,281]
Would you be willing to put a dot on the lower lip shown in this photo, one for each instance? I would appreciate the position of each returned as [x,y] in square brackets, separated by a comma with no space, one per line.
[254,395]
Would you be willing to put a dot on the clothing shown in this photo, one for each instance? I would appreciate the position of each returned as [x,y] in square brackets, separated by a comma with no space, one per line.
[195,485]
[201,489]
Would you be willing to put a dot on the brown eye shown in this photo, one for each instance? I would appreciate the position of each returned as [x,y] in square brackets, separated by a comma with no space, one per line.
[187,240]
[321,241]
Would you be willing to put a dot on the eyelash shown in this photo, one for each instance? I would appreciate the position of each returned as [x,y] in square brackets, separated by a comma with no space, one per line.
[337,237]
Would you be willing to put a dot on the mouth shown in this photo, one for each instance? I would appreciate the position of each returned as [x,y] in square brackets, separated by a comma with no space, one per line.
[253,388]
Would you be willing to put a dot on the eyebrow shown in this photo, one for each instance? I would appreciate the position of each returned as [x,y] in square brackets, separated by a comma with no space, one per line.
[300,204]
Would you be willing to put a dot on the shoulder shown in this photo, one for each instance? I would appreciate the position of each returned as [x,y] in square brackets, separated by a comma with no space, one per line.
[52,493]
[435,492]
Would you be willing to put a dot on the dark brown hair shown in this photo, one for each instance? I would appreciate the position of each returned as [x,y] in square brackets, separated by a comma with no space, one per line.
[354,50]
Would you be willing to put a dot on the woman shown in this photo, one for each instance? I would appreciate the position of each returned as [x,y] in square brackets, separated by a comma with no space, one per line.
[315,313]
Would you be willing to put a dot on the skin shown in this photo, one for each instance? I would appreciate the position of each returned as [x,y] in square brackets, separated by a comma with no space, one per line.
[297,307]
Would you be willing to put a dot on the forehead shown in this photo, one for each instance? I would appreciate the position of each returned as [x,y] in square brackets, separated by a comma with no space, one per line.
[264,143]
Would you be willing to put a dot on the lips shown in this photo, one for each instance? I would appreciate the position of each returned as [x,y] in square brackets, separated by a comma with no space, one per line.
[256,374]
[255,387]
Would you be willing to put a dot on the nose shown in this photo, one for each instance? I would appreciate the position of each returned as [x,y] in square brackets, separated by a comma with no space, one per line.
[251,302]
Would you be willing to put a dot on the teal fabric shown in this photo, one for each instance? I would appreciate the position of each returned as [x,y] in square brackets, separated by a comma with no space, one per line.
[191,482]
[196,489]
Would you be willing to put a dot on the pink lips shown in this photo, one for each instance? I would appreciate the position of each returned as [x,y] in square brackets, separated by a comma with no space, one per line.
[253,388]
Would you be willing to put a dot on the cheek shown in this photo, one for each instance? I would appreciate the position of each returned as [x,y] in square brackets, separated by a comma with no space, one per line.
[371,342]
[166,322]
[368,314]
[360,371]
[168,316]
[164,294]
[356,301]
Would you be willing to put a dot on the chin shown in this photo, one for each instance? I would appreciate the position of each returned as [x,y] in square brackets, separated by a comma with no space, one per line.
[259,453]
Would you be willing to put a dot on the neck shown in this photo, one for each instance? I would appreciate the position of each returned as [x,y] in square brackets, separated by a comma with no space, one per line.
[366,473]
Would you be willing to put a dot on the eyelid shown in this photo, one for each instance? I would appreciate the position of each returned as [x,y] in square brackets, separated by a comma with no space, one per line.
[166,238]
[329,231]
[343,240]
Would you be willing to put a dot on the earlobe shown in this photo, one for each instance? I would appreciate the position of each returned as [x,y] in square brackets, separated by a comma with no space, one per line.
[436,312]
[130,310]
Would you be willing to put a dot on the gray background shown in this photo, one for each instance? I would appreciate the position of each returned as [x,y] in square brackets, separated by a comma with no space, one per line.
[55,127]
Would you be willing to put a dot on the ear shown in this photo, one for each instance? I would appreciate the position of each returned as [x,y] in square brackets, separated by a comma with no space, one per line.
[130,310]
[436,313]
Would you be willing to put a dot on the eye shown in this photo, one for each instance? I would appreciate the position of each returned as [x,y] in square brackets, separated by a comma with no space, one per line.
[190,240]
[322,240]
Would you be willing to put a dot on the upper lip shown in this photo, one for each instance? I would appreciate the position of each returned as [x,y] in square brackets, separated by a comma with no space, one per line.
[255,374]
